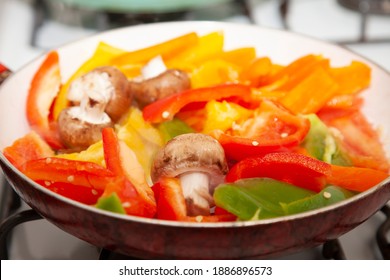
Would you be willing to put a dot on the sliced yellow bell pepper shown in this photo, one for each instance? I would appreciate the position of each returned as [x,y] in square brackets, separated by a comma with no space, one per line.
[209,46]
[214,72]
[93,154]
[223,115]
[141,137]
[166,49]
[101,57]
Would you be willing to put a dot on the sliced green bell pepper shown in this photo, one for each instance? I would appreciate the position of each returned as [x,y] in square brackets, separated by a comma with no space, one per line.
[111,203]
[173,128]
[327,196]
[321,144]
[257,198]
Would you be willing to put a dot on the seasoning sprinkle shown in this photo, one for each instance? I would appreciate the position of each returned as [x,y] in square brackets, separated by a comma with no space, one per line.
[165,114]
[126,204]
[255,143]
[70,178]
[199,219]
[327,195]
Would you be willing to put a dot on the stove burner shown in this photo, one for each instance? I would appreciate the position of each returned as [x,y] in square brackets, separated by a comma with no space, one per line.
[378,7]
[365,9]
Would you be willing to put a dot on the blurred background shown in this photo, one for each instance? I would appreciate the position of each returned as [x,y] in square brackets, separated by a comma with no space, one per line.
[29,28]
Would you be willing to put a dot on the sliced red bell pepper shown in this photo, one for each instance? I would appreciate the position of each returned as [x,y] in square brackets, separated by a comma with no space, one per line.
[44,88]
[78,193]
[166,108]
[293,168]
[123,163]
[171,204]
[29,147]
[271,129]
[79,173]
[356,179]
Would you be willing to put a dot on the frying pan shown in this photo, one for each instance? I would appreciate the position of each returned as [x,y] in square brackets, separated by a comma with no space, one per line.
[148,238]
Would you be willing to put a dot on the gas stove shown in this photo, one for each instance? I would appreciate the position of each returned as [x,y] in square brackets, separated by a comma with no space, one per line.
[30,27]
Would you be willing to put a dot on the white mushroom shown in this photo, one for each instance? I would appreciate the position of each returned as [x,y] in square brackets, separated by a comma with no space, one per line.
[199,162]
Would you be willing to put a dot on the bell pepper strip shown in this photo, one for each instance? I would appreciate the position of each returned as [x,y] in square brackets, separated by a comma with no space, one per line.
[44,88]
[29,147]
[272,128]
[257,198]
[173,128]
[358,138]
[93,153]
[207,46]
[296,169]
[166,108]
[241,57]
[326,197]
[356,179]
[83,194]
[101,57]
[111,203]
[171,204]
[259,69]
[78,173]
[214,72]
[223,115]
[352,78]
[123,163]
[166,49]
[311,94]
[322,145]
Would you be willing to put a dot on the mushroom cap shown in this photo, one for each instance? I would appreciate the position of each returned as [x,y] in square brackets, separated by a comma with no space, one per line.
[170,82]
[191,152]
[121,100]
[78,134]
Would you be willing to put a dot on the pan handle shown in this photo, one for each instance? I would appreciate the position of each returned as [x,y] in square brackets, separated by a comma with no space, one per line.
[4,73]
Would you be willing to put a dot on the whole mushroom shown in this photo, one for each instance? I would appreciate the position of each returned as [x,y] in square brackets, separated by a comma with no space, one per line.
[158,82]
[198,160]
[99,99]
[107,81]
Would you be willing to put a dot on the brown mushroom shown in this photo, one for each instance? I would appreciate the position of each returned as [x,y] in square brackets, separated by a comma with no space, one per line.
[80,126]
[198,160]
[167,83]
[106,81]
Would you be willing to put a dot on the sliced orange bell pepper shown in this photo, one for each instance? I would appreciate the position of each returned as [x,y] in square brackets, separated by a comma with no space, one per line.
[101,57]
[208,46]
[166,49]
[310,95]
[29,147]
[355,178]
[258,70]
[241,57]
[352,78]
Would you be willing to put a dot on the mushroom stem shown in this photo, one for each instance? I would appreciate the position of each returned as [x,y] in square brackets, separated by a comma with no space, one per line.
[195,187]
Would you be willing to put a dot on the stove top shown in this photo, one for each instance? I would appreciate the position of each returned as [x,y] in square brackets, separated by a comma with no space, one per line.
[30,27]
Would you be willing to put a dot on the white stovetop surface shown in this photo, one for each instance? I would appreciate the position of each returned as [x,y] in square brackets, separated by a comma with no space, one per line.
[41,240]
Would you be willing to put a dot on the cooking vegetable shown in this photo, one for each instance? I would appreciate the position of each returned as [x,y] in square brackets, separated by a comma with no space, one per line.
[166,108]
[296,169]
[322,145]
[173,128]
[111,203]
[168,83]
[171,204]
[101,57]
[135,194]
[326,197]
[104,81]
[258,198]
[271,129]
[44,88]
[199,161]
[29,147]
